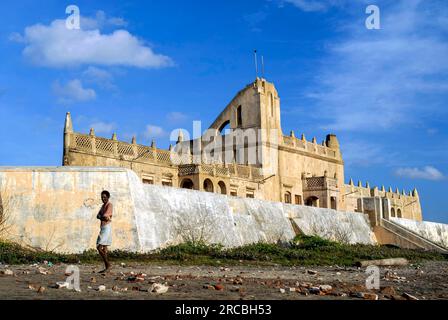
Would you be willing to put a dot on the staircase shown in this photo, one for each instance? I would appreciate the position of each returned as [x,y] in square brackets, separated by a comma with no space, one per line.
[389,232]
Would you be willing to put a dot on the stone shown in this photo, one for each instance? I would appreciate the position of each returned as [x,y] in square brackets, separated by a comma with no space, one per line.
[62,285]
[102,288]
[325,288]
[158,288]
[314,290]
[7,272]
[389,290]
[41,290]
[366,295]
[312,272]
[282,290]
[219,287]
[409,296]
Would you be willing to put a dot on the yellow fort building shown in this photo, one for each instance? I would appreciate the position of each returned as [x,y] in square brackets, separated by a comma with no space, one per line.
[283,168]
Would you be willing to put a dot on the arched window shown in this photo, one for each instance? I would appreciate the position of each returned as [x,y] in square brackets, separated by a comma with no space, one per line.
[312,201]
[225,126]
[187,184]
[399,213]
[208,185]
[222,187]
[239,117]
[392,212]
[287,197]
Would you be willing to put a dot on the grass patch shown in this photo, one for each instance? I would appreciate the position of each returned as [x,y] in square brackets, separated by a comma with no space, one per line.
[303,250]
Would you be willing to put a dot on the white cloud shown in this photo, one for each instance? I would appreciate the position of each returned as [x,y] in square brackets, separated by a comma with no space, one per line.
[55,46]
[73,91]
[176,117]
[100,77]
[103,127]
[384,79]
[426,173]
[153,131]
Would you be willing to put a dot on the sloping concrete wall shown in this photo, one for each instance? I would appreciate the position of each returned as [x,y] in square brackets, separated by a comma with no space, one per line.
[435,232]
[55,209]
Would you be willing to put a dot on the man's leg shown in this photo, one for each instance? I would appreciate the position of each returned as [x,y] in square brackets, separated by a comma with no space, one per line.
[106,258]
[102,253]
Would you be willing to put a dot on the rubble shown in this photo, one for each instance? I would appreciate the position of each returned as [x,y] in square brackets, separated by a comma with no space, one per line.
[62,284]
[7,272]
[158,288]
[409,297]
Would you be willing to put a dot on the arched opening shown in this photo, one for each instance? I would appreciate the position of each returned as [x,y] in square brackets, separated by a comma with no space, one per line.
[312,201]
[333,203]
[222,187]
[392,212]
[239,116]
[208,185]
[225,126]
[287,197]
[399,213]
[187,184]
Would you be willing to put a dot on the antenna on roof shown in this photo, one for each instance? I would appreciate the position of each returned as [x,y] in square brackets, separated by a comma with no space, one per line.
[256,64]
[262,67]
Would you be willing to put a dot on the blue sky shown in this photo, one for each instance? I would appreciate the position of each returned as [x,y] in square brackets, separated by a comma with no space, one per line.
[145,68]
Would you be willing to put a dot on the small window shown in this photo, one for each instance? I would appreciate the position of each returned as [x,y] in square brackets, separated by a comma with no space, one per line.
[233,193]
[288,197]
[239,117]
[250,195]
[298,199]
[148,181]
[167,183]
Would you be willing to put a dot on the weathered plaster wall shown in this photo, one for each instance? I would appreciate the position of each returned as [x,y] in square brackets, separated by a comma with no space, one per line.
[55,209]
[435,232]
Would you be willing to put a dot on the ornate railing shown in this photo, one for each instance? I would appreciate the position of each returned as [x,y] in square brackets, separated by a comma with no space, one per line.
[135,152]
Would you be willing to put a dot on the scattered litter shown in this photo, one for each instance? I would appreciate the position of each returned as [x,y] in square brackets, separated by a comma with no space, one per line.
[282,290]
[102,288]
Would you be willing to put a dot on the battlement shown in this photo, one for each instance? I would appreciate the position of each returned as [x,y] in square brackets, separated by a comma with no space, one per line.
[311,147]
[368,191]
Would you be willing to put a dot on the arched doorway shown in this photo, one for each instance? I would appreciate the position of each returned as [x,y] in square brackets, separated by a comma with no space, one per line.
[187,184]
[222,187]
[208,185]
[392,212]
[398,213]
[312,201]
[287,197]
[333,203]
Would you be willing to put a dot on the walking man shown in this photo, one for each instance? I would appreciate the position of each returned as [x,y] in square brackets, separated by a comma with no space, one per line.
[105,237]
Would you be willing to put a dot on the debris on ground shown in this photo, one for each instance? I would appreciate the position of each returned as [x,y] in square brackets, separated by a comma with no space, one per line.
[158,288]
[383,262]
[7,272]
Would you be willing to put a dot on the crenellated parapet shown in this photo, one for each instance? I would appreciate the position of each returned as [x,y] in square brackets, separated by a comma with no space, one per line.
[329,148]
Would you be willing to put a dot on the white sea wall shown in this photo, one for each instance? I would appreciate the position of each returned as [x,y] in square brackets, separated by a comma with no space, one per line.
[347,227]
[55,208]
[435,232]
